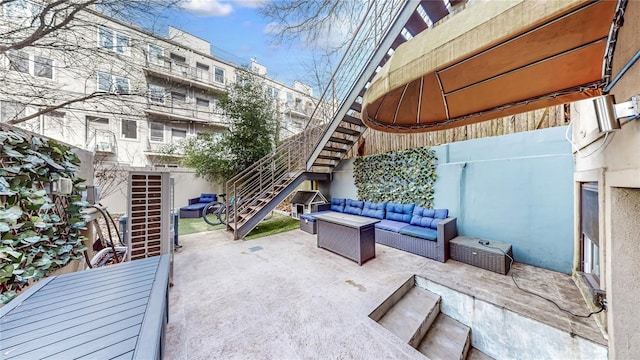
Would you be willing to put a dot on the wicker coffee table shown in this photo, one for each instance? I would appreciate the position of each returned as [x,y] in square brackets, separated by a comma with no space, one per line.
[470,250]
[348,235]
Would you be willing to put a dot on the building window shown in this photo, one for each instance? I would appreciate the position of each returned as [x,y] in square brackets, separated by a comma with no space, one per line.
[19,61]
[219,75]
[290,99]
[177,96]
[156,94]
[590,230]
[178,134]
[43,67]
[25,12]
[202,102]
[113,84]
[129,129]
[156,132]
[273,92]
[202,66]
[10,110]
[178,58]
[114,41]
[155,54]
[97,120]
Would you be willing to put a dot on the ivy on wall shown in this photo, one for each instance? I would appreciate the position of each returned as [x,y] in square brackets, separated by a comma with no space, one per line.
[39,231]
[402,176]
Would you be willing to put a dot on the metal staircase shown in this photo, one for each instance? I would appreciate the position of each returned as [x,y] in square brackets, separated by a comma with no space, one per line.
[315,152]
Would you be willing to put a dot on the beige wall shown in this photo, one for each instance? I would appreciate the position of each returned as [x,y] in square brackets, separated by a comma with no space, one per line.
[615,163]
[187,186]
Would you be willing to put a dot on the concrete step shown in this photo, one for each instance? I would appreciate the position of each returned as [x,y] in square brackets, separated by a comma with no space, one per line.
[475,354]
[447,339]
[411,316]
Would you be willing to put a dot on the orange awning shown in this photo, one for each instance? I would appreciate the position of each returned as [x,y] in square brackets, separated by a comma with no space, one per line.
[492,59]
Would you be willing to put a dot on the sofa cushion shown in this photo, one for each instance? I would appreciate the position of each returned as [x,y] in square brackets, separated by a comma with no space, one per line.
[441,213]
[353,207]
[428,218]
[207,198]
[374,209]
[399,212]
[337,204]
[390,225]
[422,216]
[420,232]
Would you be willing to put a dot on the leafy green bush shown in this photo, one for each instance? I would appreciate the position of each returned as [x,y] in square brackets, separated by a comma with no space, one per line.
[403,176]
[39,231]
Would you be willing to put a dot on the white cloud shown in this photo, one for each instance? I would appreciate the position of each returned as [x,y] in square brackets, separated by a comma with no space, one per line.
[207,7]
[218,7]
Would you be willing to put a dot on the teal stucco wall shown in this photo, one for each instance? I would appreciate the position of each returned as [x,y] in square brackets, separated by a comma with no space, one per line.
[515,188]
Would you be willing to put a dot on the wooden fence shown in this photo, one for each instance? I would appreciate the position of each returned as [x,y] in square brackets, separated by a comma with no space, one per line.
[376,142]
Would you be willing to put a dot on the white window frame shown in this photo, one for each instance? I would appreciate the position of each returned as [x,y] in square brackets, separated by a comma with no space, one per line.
[157,59]
[155,139]
[113,83]
[215,75]
[115,37]
[158,89]
[122,135]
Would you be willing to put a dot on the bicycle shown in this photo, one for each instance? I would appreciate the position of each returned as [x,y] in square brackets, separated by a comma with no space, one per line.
[215,212]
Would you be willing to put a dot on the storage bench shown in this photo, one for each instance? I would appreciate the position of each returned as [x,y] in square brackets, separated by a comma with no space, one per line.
[491,257]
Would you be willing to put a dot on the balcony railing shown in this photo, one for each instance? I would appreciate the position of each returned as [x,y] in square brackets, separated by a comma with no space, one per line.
[185,73]
[102,141]
[178,110]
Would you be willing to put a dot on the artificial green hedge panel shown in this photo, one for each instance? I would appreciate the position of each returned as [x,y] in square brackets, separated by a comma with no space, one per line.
[39,231]
[402,176]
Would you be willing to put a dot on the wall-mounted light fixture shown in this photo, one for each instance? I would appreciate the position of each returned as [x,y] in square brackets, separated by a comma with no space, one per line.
[608,112]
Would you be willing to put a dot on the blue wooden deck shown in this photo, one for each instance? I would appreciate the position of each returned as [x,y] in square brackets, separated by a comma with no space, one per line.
[117,311]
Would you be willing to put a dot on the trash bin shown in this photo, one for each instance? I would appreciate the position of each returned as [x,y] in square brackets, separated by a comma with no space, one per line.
[123,228]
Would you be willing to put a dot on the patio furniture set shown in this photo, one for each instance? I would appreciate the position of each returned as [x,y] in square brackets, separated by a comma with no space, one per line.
[407,227]
[196,205]
[351,228]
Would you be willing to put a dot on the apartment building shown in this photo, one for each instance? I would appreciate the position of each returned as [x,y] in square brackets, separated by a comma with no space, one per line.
[140,91]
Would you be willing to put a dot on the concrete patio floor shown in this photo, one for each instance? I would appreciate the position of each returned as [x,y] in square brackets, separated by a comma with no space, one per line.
[280,297]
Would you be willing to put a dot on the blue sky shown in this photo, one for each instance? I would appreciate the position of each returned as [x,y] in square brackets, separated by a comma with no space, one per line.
[238,28]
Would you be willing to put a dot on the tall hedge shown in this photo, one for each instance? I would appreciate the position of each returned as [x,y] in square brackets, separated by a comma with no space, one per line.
[39,231]
[403,176]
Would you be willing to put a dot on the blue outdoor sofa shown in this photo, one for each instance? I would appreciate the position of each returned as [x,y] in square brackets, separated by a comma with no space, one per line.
[415,229]
[194,209]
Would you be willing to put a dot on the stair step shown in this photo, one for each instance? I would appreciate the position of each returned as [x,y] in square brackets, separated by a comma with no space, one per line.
[340,140]
[323,165]
[344,130]
[352,120]
[327,157]
[475,354]
[411,316]
[331,148]
[447,339]
[356,106]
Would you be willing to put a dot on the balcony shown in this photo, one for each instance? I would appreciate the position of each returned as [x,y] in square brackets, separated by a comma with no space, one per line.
[188,75]
[185,112]
[102,141]
[161,149]
[298,109]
